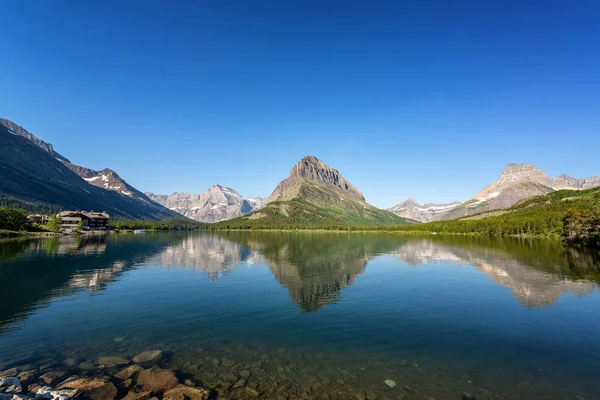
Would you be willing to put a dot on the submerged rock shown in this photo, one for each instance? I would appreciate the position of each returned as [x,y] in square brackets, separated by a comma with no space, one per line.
[138,396]
[108,391]
[10,385]
[11,396]
[239,384]
[148,357]
[113,361]
[128,372]
[126,384]
[81,384]
[245,374]
[226,362]
[183,392]
[53,377]
[27,377]
[390,383]
[8,373]
[86,365]
[90,388]
[159,380]
[70,362]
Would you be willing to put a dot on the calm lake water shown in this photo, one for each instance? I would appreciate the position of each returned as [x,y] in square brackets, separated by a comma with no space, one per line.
[314,315]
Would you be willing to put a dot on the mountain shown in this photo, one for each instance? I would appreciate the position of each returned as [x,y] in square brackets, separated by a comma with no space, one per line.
[315,195]
[14,129]
[411,209]
[106,179]
[31,171]
[215,204]
[312,169]
[516,183]
[571,214]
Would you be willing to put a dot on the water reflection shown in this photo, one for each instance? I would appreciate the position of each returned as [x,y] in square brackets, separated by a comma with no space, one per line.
[39,270]
[74,245]
[536,277]
[194,297]
[211,254]
[315,268]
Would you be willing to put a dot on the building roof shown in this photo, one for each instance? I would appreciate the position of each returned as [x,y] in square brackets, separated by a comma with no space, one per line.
[88,214]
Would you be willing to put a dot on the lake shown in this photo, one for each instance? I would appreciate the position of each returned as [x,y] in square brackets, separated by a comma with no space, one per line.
[311,315]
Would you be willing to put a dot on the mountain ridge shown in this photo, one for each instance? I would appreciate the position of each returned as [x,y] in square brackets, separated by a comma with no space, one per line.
[18,130]
[106,179]
[33,173]
[516,182]
[215,204]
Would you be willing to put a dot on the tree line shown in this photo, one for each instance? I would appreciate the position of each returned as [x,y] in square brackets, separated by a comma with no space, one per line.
[571,215]
[171,224]
[15,220]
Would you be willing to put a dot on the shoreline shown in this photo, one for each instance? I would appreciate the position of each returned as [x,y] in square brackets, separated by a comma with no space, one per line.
[394,232]
[6,234]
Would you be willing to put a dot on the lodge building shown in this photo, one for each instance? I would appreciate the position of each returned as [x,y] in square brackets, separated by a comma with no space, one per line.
[90,221]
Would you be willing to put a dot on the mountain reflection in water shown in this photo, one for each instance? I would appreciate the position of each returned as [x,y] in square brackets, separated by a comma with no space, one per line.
[314,267]
[516,318]
[42,269]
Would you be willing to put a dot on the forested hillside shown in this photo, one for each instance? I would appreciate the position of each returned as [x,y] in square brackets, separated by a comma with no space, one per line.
[572,214]
[300,214]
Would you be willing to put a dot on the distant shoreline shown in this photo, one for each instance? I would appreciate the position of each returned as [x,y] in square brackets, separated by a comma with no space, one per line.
[393,231]
[7,234]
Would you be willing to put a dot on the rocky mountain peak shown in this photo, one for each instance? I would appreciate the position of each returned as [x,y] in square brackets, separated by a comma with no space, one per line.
[225,193]
[313,169]
[515,174]
[513,168]
[105,179]
[216,203]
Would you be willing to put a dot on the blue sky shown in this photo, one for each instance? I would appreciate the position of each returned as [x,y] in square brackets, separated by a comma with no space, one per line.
[422,99]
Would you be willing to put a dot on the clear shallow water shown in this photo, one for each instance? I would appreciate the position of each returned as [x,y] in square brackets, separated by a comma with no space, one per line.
[314,315]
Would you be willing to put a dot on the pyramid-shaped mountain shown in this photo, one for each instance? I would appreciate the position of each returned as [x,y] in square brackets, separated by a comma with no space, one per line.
[316,195]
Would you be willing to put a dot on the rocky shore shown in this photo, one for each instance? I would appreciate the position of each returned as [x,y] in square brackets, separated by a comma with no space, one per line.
[235,371]
[109,378]
[156,375]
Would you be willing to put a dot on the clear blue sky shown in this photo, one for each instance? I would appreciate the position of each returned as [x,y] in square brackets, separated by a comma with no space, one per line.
[427,99]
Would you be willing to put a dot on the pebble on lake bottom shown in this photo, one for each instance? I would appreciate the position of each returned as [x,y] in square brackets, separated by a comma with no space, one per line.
[390,383]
